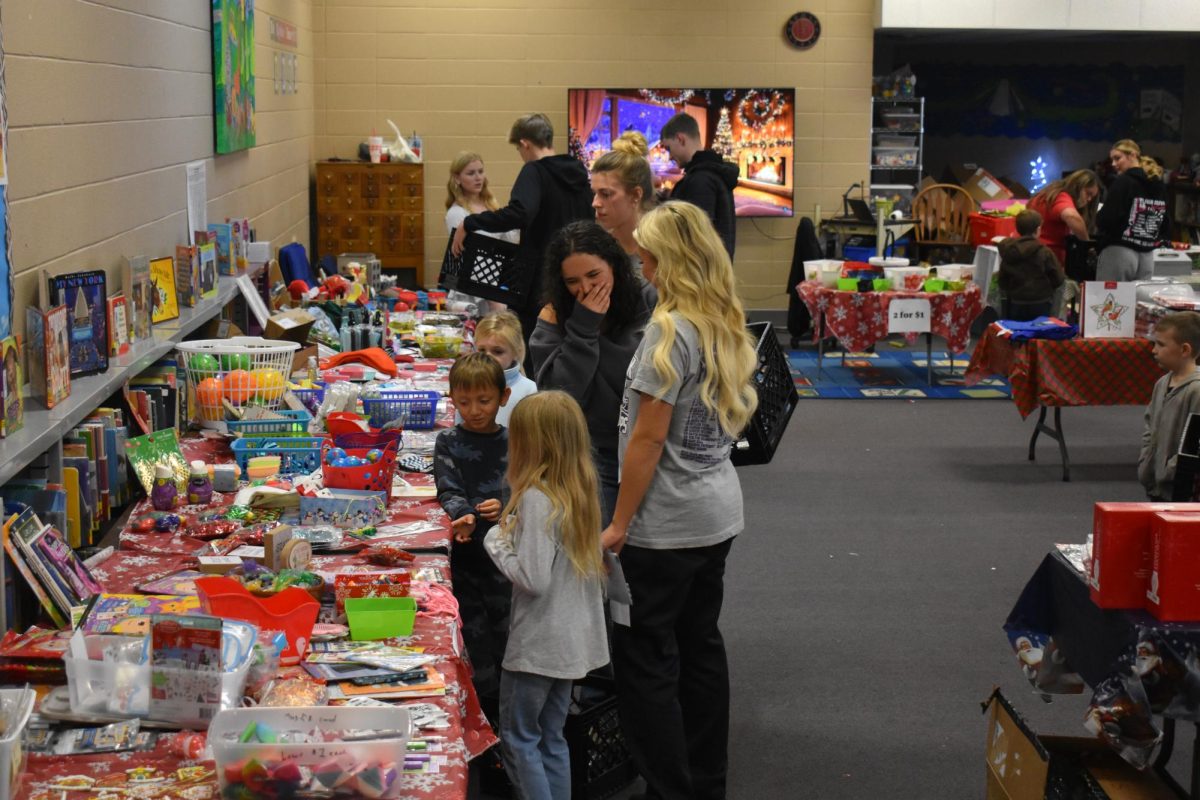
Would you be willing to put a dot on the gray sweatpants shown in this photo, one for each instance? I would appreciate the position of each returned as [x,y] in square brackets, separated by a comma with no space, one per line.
[1117,263]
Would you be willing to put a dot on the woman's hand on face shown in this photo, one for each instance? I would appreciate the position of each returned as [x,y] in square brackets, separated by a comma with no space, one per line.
[597,298]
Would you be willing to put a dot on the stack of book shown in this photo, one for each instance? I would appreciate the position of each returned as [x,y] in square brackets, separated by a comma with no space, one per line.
[158,397]
[55,573]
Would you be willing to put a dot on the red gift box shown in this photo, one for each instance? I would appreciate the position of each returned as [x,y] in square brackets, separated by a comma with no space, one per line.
[1174,591]
[986,226]
[370,584]
[1121,551]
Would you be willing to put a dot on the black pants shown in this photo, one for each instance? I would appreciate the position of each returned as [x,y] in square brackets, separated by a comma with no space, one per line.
[672,675]
[484,596]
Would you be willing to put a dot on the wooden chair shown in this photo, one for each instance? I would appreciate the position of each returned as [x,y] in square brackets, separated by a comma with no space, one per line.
[942,213]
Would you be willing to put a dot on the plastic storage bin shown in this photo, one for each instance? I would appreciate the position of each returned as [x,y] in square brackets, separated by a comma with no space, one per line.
[243,370]
[294,423]
[900,119]
[416,410]
[310,397]
[895,156]
[777,399]
[297,453]
[601,764]
[328,761]
[895,140]
[488,268]
[12,746]
[380,617]
[986,226]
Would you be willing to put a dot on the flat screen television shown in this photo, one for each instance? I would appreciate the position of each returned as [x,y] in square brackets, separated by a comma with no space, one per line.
[753,128]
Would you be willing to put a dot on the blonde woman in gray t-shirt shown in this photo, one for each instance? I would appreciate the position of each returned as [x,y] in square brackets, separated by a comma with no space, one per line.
[687,397]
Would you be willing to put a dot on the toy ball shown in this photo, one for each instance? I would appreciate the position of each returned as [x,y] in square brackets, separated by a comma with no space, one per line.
[270,384]
[203,363]
[239,385]
[374,455]
[166,523]
[232,361]
[209,392]
[337,452]
[340,462]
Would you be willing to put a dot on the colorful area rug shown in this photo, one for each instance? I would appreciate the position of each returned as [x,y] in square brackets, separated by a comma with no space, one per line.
[888,374]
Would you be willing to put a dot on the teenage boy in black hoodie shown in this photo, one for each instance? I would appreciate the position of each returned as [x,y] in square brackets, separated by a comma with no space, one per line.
[1029,271]
[708,180]
[549,192]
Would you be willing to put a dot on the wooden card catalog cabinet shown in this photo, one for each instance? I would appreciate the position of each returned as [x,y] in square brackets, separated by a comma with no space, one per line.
[372,208]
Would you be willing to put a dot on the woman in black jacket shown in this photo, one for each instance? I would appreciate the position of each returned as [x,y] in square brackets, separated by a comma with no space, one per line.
[1133,220]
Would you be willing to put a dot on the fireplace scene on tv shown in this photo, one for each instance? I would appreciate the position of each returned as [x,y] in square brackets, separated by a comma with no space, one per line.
[752,128]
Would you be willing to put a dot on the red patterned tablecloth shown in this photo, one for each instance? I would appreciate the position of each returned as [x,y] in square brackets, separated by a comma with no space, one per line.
[860,319]
[468,735]
[1070,372]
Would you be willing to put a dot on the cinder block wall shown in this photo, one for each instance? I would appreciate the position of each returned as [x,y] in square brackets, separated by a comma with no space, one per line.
[460,71]
[107,101]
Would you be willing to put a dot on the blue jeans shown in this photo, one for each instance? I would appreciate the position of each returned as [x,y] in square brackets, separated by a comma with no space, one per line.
[608,471]
[533,711]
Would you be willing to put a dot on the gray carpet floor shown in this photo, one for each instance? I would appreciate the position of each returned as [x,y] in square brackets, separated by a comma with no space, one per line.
[884,547]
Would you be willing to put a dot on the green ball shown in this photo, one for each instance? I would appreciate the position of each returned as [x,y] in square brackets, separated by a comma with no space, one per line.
[204,364]
[232,361]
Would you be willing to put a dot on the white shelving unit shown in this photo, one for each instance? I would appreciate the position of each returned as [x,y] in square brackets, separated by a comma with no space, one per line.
[897,144]
[43,429]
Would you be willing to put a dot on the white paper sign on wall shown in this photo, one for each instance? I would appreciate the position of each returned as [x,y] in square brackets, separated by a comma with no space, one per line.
[910,315]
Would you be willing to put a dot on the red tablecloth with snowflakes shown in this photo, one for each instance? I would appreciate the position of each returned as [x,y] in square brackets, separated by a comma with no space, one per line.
[469,734]
[860,319]
[1068,372]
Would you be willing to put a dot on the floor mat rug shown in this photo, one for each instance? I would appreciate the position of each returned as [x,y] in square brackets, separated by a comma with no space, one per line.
[888,375]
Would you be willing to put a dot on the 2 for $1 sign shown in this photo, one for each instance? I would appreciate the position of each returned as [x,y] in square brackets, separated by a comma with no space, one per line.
[909,315]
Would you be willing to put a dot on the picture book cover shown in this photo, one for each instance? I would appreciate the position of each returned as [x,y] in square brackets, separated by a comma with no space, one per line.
[24,534]
[179,583]
[206,256]
[1107,310]
[118,325]
[187,287]
[240,239]
[221,233]
[140,295]
[185,667]
[85,295]
[49,358]
[18,560]
[165,304]
[14,404]
[131,613]
[51,546]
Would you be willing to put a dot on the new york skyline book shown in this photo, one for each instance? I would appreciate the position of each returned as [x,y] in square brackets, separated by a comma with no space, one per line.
[162,278]
[85,295]
[139,294]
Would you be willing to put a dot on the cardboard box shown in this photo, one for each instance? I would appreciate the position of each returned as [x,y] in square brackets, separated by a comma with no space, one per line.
[344,508]
[1019,763]
[1123,551]
[292,325]
[1173,594]
[983,185]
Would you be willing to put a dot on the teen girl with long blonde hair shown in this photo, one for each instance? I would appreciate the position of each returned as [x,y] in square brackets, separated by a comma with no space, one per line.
[1133,220]
[549,547]
[687,398]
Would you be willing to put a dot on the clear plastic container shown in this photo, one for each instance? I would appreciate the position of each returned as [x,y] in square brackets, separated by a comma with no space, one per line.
[12,748]
[391,724]
[896,156]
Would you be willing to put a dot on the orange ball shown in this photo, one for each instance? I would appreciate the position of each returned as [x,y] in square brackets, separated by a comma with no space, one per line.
[239,385]
[209,393]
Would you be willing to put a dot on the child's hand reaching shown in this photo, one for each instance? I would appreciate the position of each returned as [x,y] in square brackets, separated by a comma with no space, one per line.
[463,527]
[489,509]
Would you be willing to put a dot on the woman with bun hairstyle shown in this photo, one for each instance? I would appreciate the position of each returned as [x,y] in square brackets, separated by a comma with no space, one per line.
[623,189]
[688,396]
[1068,208]
[1133,220]
[597,306]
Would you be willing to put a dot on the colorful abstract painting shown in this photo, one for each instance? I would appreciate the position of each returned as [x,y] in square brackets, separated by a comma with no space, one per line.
[233,74]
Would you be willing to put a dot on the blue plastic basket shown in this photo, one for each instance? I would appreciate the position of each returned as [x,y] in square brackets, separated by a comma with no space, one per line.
[298,454]
[417,410]
[295,423]
[310,397]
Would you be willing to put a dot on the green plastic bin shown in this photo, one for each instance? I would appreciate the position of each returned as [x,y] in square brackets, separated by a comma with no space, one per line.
[380,617]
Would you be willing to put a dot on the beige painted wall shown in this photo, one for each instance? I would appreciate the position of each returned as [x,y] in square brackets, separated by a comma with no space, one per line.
[107,101]
[460,71]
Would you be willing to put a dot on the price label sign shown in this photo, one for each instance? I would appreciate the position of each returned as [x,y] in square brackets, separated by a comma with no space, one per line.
[909,315]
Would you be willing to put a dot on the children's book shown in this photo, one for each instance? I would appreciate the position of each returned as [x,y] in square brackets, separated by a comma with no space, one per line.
[179,583]
[50,547]
[48,355]
[131,613]
[139,295]
[162,280]
[13,406]
[240,239]
[18,560]
[118,325]
[187,287]
[85,295]
[206,258]
[221,233]
[185,667]
[74,506]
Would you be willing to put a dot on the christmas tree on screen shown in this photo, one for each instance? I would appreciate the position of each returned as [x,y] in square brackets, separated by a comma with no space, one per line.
[723,140]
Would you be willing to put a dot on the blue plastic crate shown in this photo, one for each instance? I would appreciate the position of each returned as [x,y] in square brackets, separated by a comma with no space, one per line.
[295,423]
[310,397]
[417,410]
[298,454]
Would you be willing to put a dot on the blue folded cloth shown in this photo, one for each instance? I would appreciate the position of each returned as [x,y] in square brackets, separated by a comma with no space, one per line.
[1040,328]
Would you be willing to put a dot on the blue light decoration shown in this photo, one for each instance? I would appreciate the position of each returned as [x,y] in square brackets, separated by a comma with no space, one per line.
[1037,173]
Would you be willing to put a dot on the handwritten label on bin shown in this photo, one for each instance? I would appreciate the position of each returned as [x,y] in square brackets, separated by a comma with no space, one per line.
[910,315]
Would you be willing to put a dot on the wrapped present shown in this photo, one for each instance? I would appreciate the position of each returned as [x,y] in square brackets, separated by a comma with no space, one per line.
[370,584]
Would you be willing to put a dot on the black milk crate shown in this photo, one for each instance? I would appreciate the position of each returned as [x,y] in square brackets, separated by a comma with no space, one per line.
[488,268]
[777,398]
[601,764]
